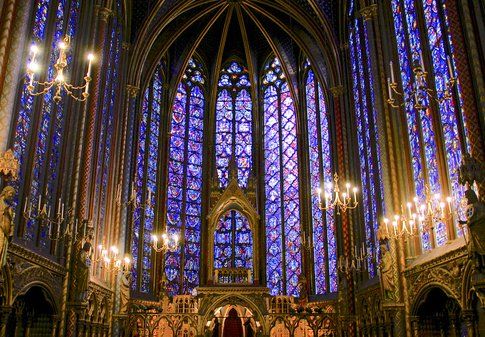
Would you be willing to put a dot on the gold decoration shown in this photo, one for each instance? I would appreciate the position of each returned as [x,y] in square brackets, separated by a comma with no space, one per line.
[337,91]
[369,12]
[9,165]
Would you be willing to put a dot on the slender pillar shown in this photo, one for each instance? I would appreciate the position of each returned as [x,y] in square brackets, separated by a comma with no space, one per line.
[103,15]
[468,317]
[4,316]
[337,93]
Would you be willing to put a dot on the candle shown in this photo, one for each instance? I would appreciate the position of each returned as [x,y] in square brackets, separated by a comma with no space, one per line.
[149,196]
[25,204]
[392,72]
[389,87]
[421,59]
[62,211]
[59,206]
[84,229]
[38,205]
[75,227]
[450,68]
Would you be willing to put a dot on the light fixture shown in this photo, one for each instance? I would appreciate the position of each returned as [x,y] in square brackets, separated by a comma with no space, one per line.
[421,92]
[359,262]
[58,82]
[165,242]
[132,200]
[333,198]
[420,215]
[111,260]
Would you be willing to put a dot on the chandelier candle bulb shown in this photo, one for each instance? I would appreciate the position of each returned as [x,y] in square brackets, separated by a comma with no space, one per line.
[389,88]
[421,60]
[450,67]
[392,72]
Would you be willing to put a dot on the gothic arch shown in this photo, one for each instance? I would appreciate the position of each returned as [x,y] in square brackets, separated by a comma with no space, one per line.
[242,301]
[233,198]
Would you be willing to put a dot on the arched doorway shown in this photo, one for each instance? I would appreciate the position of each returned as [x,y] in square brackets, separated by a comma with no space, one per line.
[33,315]
[232,325]
[233,321]
[438,315]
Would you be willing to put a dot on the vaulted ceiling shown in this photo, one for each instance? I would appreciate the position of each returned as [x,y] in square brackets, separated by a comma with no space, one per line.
[248,29]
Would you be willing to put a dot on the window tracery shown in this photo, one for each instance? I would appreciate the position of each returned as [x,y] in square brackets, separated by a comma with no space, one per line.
[184,191]
[41,124]
[282,203]
[367,137]
[429,131]
[320,160]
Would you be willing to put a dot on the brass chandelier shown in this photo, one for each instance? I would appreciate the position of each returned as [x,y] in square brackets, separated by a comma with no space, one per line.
[58,82]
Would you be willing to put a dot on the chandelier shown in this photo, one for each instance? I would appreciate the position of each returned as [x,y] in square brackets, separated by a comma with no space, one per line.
[59,81]
[111,260]
[334,198]
[420,93]
[420,215]
[165,242]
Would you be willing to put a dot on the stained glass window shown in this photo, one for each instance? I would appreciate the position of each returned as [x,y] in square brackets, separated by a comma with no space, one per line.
[367,136]
[41,122]
[233,244]
[184,190]
[234,123]
[282,204]
[145,182]
[320,160]
[106,120]
[412,42]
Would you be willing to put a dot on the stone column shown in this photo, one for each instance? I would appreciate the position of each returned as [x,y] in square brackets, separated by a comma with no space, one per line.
[103,15]
[4,316]
[415,326]
[468,317]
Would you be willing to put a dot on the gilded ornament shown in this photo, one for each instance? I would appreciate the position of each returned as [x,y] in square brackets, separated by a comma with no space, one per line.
[9,165]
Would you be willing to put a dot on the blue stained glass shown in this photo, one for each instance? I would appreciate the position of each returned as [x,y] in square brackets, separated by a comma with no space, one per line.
[447,108]
[233,244]
[282,210]
[138,184]
[184,189]
[324,235]
[423,123]
[367,136]
[234,123]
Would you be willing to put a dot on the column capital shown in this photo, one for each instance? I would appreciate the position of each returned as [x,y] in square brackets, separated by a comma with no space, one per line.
[104,13]
[132,90]
[369,12]
[337,91]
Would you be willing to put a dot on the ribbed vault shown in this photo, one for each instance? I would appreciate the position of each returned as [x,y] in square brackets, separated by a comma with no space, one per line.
[248,29]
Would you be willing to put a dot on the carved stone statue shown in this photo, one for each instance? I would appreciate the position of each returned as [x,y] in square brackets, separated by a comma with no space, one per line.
[82,271]
[248,328]
[387,276]
[475,213]
[6,222]
[125,284]
[303,289]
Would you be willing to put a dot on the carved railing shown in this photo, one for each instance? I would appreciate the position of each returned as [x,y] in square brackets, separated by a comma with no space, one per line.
[233,276]
[280,304]
[185,304]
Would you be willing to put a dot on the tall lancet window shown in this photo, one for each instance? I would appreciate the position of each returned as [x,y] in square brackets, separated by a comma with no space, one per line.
[367,135]
[184,190]
[282,203]
[320,159]
[40,126]
[145,182]
[234,123]
[107,116]
[434,141]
